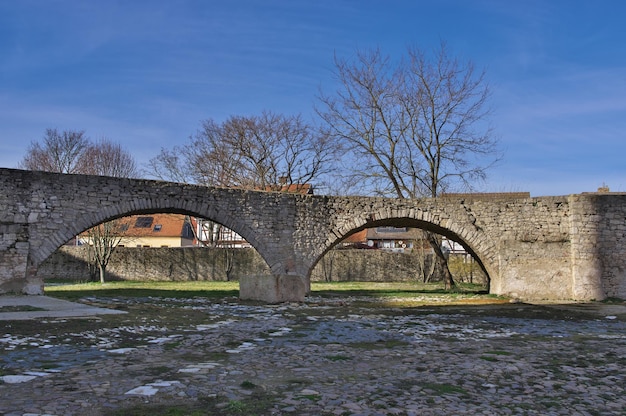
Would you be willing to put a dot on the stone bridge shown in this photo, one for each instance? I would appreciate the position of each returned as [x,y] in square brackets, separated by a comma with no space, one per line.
[556,248]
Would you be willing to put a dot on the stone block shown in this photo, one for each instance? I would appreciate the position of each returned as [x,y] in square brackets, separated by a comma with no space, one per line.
[272,288]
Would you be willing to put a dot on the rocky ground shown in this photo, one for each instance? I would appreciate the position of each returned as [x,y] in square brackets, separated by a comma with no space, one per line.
[204,356]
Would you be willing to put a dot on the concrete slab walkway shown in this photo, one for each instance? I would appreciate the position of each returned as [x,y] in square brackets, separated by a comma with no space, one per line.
[49,308]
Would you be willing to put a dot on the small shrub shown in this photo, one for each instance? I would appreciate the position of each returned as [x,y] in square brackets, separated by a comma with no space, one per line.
[248,385]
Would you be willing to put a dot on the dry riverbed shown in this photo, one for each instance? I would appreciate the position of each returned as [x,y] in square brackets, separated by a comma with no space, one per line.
[328,356]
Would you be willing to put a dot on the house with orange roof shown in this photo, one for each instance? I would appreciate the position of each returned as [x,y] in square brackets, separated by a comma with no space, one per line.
[157,230]
[152,230]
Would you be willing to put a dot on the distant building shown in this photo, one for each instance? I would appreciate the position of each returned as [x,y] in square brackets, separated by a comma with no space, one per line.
[154,230]
[212,234]
[396,239]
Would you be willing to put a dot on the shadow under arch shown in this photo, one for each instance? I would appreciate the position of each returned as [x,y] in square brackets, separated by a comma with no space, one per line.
[472,247]
[90,220]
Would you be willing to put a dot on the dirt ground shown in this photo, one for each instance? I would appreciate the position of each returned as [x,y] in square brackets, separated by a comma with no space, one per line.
[328,356]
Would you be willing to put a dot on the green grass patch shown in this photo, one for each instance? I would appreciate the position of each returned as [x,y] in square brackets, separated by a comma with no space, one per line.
[217,289]
[248,385]
[169,346]
[159,411]
[614,300]
[76,291]
[371,294]
[312,397]
[255,404]
[391,289]
[405,294]
[151,410]
[48,365]
[237,407]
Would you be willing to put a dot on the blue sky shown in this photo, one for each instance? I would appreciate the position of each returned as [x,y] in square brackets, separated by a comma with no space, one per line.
[146,73]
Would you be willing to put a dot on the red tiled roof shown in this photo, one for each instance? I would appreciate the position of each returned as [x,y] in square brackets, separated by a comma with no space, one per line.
[294,188]
[155,225]
[359,237]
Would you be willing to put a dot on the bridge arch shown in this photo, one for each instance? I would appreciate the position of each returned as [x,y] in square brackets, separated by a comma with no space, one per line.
[87,220]
[475,242]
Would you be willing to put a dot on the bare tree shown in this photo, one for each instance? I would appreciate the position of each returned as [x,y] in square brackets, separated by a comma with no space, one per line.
[170,165]
[60,152]
[254,152]
[416,128]
[266,152]
[105,158]
[446,106]
[103,240]
[72,152]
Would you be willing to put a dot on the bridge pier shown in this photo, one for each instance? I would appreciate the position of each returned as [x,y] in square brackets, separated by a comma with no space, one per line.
[23,281]
[274,288]
[17,274]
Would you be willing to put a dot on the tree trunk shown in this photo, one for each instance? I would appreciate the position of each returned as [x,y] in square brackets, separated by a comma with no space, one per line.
[327,265]
[426,266]
[448,281]
[228,263]
[102,273]
[441,261]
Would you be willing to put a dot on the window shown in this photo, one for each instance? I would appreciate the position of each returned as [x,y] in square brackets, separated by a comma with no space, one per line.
[144,222]
[157,228]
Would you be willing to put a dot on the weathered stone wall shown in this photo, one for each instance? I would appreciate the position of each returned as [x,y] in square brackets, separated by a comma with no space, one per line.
[185,264]
[367,265]
[15,216]
[531,244]
[157,263]
[536,248]
[598,251]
